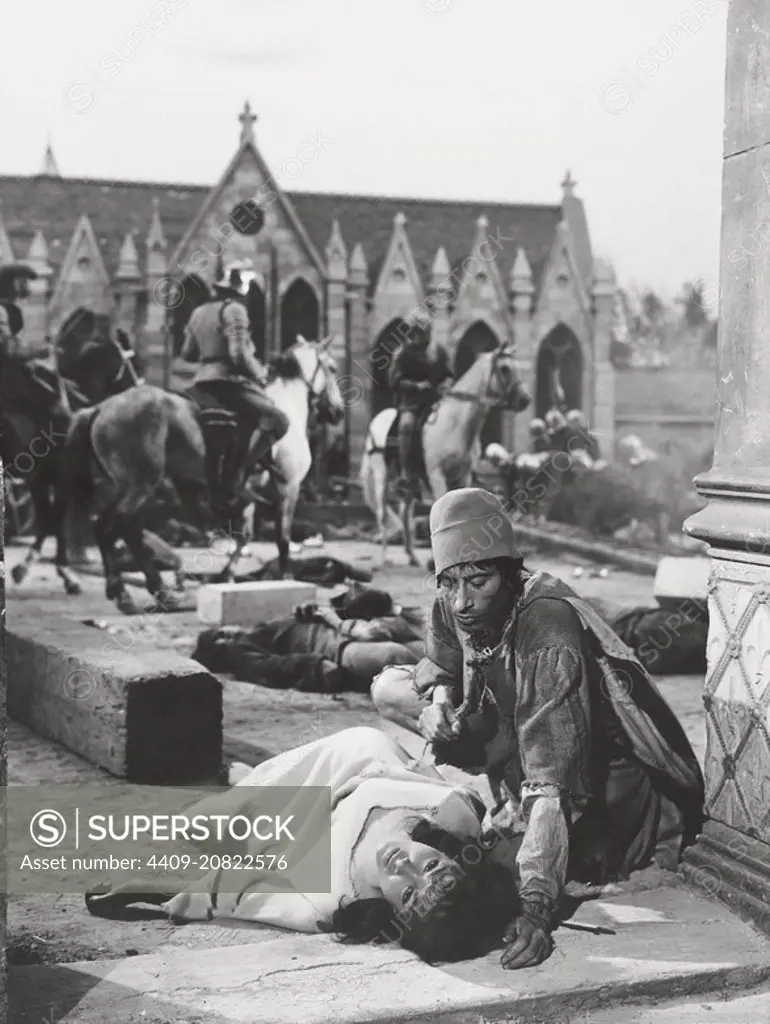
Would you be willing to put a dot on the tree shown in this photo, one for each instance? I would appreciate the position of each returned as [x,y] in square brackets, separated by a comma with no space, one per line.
[694,303]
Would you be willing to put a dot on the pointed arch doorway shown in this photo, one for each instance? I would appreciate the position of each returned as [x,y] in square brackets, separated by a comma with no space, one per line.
[300,314]
[480,338]
[559,375]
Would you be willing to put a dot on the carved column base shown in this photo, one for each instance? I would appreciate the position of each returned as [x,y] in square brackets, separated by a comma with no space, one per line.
[734,868]
[731,858]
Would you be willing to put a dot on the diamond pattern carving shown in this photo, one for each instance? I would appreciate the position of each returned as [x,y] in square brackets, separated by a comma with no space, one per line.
[737,698]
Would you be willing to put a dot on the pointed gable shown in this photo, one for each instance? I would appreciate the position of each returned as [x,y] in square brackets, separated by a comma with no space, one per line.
[399,275]
[247,176]
[83,278]
[561,274]
[480,284]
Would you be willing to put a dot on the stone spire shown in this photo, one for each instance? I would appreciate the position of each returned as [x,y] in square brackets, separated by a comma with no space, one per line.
[336,254]
[521,275]
[568,185]
[49,168]
[155,237]
[37,257]
[247,119]
[359,271]
[128,261]
[440,271]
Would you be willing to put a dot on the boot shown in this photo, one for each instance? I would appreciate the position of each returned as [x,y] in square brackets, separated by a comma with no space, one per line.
[260,455]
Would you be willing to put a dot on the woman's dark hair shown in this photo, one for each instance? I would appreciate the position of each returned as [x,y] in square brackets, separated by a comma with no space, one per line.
[465,921]
[511,569]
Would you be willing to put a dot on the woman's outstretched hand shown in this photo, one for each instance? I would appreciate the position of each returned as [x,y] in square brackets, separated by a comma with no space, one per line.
[527,945]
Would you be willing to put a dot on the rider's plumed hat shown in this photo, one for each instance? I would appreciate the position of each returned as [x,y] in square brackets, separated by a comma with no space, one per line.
[470,525]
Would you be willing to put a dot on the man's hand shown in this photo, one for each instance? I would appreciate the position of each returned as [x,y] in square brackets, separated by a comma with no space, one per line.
[439,722]
[369,632]
[528,945]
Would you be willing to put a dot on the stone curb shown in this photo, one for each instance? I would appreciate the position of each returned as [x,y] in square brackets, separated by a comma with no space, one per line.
[633,561]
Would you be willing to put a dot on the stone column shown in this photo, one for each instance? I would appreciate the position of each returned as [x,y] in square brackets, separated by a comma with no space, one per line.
[441,289]
[521,290]
[357,388]
[35,308]
[3,781]
[160,299]
[336,325]
[732,856]
[599,394]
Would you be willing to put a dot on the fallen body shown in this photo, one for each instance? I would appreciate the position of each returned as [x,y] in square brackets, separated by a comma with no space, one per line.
[316,650]
[409,863]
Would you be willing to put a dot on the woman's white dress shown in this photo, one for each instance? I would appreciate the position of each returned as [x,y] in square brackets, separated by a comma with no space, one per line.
[364,770]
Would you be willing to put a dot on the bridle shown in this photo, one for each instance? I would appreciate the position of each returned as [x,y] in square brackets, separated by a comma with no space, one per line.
[314,398]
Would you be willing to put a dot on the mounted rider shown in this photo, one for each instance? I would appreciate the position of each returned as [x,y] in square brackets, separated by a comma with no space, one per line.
[218,334]
[14,287]
[417,377]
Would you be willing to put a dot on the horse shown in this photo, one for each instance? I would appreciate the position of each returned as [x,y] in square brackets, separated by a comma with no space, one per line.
[38,402]
[450,437]
[132,444]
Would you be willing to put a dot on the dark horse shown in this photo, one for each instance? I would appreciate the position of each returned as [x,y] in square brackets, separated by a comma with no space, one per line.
[133,444]
[38,402]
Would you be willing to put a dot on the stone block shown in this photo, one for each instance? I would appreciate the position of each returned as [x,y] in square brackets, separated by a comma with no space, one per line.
[681,579]
[145,715]
[245,604]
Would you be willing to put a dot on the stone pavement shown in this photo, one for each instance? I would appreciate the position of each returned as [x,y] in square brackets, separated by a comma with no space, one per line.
[668,940]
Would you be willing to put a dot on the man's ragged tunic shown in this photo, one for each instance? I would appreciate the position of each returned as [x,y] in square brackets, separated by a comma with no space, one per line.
[572,724]
[413,366]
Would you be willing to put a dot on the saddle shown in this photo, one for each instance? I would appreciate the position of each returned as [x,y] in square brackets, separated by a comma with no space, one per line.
[226,449]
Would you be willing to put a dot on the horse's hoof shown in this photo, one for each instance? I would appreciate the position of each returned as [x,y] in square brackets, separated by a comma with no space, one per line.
[126,604]
[18,573]
[287,576]
[415,562]
[72,587]
[165,601]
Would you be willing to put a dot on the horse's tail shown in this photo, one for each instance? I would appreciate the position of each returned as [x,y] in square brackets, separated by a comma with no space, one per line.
[78,455]
[373,479]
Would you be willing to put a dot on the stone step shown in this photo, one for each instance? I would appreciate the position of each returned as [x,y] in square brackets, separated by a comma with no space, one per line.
[245,604]
[145,715]
[668,942]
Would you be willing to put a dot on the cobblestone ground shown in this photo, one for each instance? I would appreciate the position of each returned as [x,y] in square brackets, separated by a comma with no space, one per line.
[265,722]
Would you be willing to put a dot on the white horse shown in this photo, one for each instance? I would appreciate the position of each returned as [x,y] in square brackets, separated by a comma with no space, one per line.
[306,381]
[450,438]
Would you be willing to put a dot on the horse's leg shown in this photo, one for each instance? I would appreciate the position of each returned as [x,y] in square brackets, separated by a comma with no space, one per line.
[284,520]
[105,534]
[42,505]
[132,533]
[407,506]
[381,508]
[71,583]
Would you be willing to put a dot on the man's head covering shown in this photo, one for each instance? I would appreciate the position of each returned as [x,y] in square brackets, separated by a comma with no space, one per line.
[575,418]
[554,420]
[470,525]
[237,276]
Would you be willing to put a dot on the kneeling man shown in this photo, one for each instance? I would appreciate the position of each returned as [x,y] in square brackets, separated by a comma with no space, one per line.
[524,680]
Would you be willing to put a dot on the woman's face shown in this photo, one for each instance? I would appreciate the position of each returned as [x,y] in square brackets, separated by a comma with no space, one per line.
[407,870]
[473,592]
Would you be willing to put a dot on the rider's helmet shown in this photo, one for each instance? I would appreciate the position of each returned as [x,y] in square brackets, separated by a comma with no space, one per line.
[555,420]
[575,418]
[237,276]
[537,427]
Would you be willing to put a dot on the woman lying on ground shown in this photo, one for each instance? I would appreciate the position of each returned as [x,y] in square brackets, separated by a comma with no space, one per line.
[409,863]
[523,680]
